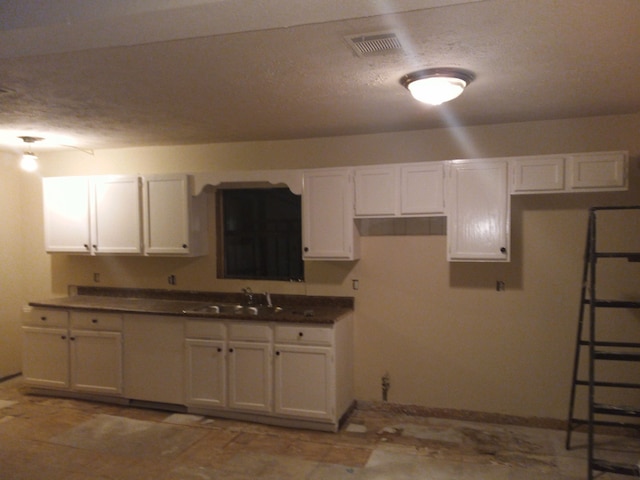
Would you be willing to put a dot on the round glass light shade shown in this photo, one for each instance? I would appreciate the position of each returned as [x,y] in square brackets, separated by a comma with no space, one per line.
[436,90]
[29,162]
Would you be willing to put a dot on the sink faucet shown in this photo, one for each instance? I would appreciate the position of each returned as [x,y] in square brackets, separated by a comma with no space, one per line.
[267,297]
[249,295]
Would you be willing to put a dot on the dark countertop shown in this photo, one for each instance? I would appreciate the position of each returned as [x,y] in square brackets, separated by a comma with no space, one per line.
[295,308]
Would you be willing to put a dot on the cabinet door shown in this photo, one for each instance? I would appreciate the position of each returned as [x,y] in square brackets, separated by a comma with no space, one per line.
[328,230]
[174,221]
[96,361]
[598,171]
[375,191]
[478,211]
[66,214]
[45,357]
[250,376]
[304,382]
[422,189]
[116,224]
[538,175]
[206,373]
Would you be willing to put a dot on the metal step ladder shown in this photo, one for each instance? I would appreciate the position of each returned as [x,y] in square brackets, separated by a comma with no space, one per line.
[593,314]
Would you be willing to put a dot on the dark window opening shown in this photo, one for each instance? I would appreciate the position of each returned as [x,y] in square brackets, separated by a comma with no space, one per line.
[260,234]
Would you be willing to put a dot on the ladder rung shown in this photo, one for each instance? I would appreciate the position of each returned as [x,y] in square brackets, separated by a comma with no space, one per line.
[613,467]
[619,356]
[631,256]
[575,422]
[600,383]
[610,344]
[625,411]
[612,303]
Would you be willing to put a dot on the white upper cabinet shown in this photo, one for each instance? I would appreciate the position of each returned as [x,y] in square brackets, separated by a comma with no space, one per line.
[67,224]
[328,230]
[538,175]
[376,191]
[175,222]
[92,214]
[422,189]
[580,172]
[478,211]
[115,215]
[116,221]
[400,190]
[598,171]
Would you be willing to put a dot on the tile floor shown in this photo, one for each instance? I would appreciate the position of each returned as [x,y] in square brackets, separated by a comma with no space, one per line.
[52,438]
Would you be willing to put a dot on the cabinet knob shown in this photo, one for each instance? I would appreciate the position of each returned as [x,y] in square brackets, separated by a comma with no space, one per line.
[86,246]
[72,338]
[306,249]
[278,353]
[300,334]
[184,245]
[219,349]
[63,337]
[95,247]
[94,320]
[503,250]
[231,350]
[44,319]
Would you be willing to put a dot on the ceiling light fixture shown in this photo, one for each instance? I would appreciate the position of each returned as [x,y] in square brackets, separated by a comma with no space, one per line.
[29,161]
[437,85]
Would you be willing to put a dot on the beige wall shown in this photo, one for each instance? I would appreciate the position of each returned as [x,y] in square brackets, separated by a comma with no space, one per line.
[11,270]
[441,331]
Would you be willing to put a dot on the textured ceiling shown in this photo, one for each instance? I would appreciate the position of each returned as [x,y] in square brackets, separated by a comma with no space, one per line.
[186,72]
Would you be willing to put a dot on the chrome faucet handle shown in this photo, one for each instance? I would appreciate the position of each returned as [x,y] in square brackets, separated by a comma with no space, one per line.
[249,293]
[267,297]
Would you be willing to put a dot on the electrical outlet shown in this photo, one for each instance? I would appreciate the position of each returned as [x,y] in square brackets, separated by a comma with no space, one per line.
[171,279]
[500,286]
[355,284]
[96,277]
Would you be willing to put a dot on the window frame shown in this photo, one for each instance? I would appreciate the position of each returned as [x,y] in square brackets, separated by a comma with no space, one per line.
[221,236]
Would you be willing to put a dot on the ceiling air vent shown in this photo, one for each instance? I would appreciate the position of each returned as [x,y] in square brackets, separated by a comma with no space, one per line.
[374,43]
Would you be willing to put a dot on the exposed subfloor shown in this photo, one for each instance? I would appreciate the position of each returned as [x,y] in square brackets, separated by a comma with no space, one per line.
[53,438]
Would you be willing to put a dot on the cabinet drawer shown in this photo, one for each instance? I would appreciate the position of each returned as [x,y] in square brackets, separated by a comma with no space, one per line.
[96,321]
[304,334]
[40,317]
[205,329]
[250,331]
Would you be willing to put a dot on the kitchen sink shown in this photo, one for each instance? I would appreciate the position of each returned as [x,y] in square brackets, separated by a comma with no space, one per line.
[235,309]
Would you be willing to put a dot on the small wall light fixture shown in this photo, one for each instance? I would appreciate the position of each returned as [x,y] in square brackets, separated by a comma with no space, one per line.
[29,161]
[437,85]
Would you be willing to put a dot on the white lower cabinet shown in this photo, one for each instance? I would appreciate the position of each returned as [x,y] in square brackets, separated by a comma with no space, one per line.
[206,363]
[45,351]
[295,395]
[250,366]
[206,373]
[96,352]
[282,373]
[273,372]
[83,355]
